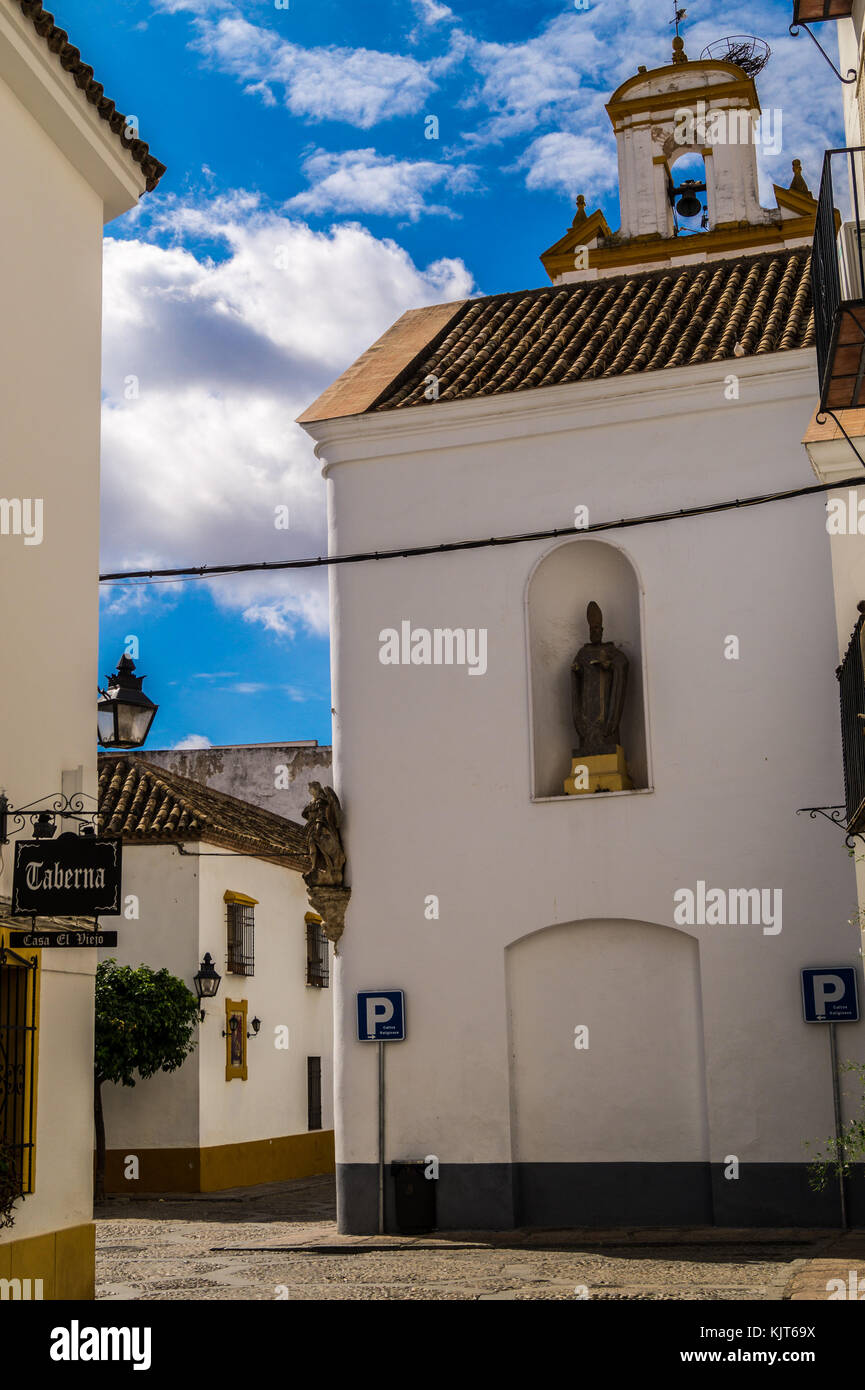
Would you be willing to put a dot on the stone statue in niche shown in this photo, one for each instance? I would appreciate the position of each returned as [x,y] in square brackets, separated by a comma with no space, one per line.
[599,680]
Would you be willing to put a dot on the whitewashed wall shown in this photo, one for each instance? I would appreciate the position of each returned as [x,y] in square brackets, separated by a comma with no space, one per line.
[273,1101]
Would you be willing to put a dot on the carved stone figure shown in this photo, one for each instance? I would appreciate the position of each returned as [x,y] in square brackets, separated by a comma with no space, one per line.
[324,878]
[599,677]
[323,816]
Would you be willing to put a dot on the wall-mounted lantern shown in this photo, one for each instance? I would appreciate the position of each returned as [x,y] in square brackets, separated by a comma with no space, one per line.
[206,981]
[124,713]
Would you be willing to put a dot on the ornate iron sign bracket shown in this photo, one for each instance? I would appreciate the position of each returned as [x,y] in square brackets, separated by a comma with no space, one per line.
[43,817]
[835,815]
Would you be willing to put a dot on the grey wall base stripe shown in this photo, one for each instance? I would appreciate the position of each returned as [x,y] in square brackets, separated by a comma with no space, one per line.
[501,1196]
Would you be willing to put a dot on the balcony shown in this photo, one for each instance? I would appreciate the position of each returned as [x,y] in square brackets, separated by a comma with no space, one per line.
[838,281]
[851,678]
[813,11]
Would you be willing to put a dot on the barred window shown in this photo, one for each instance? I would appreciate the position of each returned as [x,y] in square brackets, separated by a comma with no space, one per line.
[317,958]
[17,1065]
[241,938]
[313,1092]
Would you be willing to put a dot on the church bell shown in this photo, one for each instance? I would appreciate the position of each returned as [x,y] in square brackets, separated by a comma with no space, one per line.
[689,204]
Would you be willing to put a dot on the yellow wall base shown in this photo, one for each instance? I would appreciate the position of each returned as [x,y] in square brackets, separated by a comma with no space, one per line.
[64,1260]
[602,772]
[222,1166]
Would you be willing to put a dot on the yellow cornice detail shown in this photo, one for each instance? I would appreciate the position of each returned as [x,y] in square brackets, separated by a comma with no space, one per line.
[557,262]
[673,100]
[795,201]
[593,226]
[231,897]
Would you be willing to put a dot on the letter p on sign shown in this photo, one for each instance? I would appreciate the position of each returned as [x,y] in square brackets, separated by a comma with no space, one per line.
[377,1011]
[828,989]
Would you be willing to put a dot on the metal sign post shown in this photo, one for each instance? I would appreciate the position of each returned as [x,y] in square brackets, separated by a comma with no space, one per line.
[830,995]
[839,1132]
[381,1019]
[381,1138]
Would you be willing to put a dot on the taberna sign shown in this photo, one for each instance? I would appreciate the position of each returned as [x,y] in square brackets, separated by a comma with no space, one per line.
[72,876]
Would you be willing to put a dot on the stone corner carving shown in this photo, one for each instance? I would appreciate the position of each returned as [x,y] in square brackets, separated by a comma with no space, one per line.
[327,893]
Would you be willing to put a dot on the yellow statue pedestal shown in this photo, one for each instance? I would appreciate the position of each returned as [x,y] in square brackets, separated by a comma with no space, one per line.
[602,772]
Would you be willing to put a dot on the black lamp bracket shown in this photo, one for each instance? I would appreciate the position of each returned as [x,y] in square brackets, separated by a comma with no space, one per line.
[851,74]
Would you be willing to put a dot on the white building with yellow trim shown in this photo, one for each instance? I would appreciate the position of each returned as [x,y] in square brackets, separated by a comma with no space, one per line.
[206,874]
[71,163]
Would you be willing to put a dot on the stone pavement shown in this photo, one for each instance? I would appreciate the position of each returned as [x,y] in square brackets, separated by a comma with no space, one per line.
[280,1241]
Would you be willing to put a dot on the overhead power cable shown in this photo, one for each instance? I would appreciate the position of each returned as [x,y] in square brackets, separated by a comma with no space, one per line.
[407,552]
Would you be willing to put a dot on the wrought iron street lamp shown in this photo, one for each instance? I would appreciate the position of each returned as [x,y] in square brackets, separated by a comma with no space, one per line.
[124,713]
[206,981]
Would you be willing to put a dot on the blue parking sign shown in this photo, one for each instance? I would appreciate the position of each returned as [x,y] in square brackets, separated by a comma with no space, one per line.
[381,1015]
[830,994]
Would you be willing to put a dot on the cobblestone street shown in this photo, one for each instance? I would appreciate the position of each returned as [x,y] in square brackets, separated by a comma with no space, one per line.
[281,1242]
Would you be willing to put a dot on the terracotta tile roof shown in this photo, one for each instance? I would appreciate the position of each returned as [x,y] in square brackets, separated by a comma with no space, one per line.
[70,60]
[141,803]
[655,319]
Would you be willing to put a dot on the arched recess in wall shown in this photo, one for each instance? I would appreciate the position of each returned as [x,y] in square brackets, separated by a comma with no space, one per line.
[562,585]
[609,1115]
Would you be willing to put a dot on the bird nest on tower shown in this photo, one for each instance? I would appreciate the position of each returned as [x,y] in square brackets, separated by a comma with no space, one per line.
[743,50]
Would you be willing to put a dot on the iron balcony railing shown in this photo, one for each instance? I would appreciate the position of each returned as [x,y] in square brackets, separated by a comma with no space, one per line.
[851,677]
[838,280]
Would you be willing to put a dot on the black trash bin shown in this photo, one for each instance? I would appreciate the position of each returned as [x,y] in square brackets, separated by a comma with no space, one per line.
[415,1197]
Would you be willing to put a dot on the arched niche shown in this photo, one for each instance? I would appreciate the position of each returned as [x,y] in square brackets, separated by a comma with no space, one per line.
[559,591]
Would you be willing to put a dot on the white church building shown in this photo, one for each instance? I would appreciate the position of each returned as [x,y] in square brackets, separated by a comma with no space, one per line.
[602,981]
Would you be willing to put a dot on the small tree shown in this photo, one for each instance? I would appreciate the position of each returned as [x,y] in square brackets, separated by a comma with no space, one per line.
[145,1020]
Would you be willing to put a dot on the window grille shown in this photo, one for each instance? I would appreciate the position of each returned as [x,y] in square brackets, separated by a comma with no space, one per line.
[851,677]
[241,939]
[17,1063]
[317,958]
[313,1092]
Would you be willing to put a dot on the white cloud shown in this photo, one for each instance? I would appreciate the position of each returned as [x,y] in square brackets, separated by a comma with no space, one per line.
[550,77]
[357,85]
[569,164]
[364,181]
[193,741]
[226,354]
[430,12]
[192,6]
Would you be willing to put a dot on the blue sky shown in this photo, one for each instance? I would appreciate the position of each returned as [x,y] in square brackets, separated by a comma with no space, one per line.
[304,209]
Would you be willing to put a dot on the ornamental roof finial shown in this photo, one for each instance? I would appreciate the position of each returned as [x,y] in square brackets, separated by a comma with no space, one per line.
[679,54]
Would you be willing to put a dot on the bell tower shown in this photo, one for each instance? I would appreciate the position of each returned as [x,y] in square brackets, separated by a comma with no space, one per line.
[704,113]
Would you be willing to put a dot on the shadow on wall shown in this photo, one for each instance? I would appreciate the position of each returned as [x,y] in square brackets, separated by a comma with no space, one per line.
[563,584]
